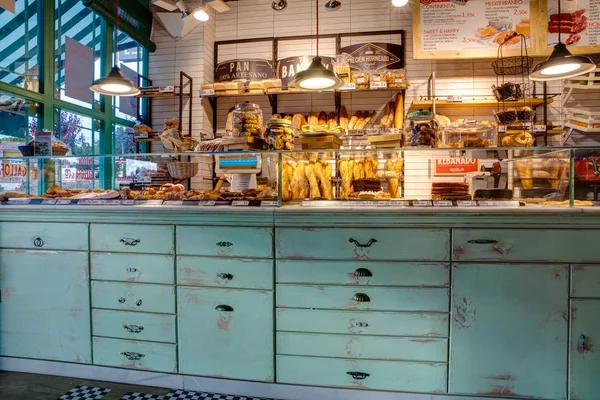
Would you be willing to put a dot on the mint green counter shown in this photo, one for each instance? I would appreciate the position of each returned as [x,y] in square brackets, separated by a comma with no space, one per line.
[479,302]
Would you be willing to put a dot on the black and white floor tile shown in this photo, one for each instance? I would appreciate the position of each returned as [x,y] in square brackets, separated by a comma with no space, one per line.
[141,396]
[85,393]
[185,395]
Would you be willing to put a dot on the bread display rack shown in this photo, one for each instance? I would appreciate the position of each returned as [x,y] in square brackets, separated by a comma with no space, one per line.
[580,119]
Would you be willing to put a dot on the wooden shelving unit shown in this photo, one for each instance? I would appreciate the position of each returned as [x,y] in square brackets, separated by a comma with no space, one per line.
[470,104]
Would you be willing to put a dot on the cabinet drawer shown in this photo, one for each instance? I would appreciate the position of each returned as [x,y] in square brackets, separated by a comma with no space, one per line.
[226,333]
[353,346]
[362,273]
[363,244]
[43,236]
[362,374]
[225,272]
[138,355]
[539,245]
[586,281]
[362,298]
[133,297]
[133,267]
[132,238]
[134,325]
[225,241]
[585,357]
[363,323]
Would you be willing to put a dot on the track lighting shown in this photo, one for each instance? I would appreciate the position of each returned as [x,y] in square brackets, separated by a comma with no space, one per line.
[279,5]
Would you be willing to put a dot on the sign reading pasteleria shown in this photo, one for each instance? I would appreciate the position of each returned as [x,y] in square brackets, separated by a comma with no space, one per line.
[249,70]
[287,68]
[375,56]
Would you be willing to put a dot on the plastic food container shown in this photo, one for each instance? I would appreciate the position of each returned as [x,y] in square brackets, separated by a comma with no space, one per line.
[247,120]
[280,135]
[469,134]
[421,129]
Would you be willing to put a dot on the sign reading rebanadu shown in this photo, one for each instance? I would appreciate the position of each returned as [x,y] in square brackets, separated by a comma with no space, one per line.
[375,56]
[249,70]
[287,68]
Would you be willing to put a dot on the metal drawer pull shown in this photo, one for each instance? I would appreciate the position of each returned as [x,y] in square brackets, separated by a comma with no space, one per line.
[38,242]
[133,356]
[361,298]
[582,343]
[121,300]
[138,303]
[130,241]
[224,308]
[359,376]
[369,243]
[133,328]
[362,273]
[483,241]
[224,244]
[225,276]
[361,325]
[131,269]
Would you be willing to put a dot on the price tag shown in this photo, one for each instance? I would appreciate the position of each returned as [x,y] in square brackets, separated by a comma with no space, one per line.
[422,203]
[501,128]
[206,203]
[174,203]
[113,202]
[454,99]
[63,202]
[269,203]
[498,203]
[142,179]
[378,85]
[239,203]
[348,86]
[400,203]
[127,202]
[148,202]
[539,128]
[19,201]
[466,203]
[49,202]
[140,135]
[207,92]
[442,203]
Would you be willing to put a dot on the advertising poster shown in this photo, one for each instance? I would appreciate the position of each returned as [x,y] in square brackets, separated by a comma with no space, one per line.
[79,71]
[578,22]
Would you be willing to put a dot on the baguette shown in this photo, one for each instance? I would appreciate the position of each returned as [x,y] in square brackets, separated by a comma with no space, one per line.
[344,117]
[322,118]
[313,119]
[385,119]
[354,120]
[361,120]
[312,181]
[332,120]
[399,111]
[368,119]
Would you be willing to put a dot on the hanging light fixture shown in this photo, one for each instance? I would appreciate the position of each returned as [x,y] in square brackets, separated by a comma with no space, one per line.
[316,77]
[115,83]
[399,3]
[333,5]
[561,64]
[279,5]
[201,14]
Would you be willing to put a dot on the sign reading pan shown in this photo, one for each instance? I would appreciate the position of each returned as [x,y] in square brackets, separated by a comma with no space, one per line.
[246,70]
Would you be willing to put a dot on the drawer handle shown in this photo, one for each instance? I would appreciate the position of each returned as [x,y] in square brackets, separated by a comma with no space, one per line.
[582,343]
[359,376]
[38,242]
[138,303]
[358,244]
[361,298]
[133,356]
[225,276]
[224,244]
[361,324]
[131,269]
[362,273]
[224,308]
[482,241]
[133,328]
[130,241]
[121,300]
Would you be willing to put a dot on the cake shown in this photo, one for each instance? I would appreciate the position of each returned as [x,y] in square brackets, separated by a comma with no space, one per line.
[367,185]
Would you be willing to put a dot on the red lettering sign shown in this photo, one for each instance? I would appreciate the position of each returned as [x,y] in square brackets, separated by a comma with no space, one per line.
[456,166]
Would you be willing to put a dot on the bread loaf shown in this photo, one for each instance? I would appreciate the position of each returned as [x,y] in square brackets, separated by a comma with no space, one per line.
[229,124]
[354,120]
[298,121]
[332,120]
[344,117]
[322,118]
[313,119]
[399,111]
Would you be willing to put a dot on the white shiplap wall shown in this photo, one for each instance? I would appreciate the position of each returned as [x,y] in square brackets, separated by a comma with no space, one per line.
[255,18]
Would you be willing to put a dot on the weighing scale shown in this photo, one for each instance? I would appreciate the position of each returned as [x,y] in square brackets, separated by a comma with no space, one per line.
[242,167]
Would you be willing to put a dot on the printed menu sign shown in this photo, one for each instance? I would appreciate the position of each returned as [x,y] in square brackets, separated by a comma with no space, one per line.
[456,166]
[247,70]
[578,22]
[451,25]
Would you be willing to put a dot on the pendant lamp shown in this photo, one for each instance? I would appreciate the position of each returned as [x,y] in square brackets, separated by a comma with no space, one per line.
[561,64]
[115,83]
[316,77]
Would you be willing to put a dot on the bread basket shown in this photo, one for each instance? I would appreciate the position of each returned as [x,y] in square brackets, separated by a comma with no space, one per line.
[182,170]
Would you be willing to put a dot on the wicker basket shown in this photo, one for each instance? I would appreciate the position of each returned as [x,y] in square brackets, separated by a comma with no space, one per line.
[59,151]
[182,170]
[512,65]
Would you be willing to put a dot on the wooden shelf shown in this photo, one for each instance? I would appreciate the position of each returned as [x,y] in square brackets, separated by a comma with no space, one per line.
[147,140]
[154,95]
[299,92]
[470,104]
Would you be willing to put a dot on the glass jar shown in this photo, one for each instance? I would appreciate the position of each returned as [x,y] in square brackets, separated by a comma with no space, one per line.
[280,135]
[470,134]
[247,121]
[421,129]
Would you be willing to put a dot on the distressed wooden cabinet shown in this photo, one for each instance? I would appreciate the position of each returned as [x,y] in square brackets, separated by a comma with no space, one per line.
[44,305]
[509,330]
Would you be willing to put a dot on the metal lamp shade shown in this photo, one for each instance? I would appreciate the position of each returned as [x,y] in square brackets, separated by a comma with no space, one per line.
[115,84]
[333,5]
[561,65]
[316,77]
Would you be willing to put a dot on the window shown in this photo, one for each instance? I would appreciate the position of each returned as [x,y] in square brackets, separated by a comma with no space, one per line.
[80,133]
[123,140]
[20,44]
[18,117]
[131,62]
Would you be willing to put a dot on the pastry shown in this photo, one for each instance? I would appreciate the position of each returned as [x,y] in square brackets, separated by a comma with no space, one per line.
[367,185]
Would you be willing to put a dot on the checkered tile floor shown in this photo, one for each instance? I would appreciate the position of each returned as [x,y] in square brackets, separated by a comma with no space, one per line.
[85,393]
[185,395]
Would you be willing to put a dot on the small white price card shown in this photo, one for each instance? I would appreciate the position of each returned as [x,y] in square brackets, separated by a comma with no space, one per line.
[348,86]
[239,203]
[422,203]
[378,85]
[454,99]
[268,203]
[207,92]
[49,202]
[206,203]
[442,203]
[466,203]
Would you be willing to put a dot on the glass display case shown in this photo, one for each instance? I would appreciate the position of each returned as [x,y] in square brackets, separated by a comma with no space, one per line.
[386,178]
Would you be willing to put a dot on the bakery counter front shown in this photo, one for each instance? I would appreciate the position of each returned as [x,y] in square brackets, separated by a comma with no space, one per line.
[306,303]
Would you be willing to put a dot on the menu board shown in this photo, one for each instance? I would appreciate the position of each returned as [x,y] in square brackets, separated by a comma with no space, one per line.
[579,24]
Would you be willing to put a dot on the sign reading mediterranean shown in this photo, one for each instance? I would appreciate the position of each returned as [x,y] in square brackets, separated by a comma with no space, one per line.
[375,56]
[287,68]
[453,25]
[248,70]
[578,22]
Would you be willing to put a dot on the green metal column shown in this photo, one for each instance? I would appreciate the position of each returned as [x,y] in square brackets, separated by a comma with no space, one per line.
[106,145]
